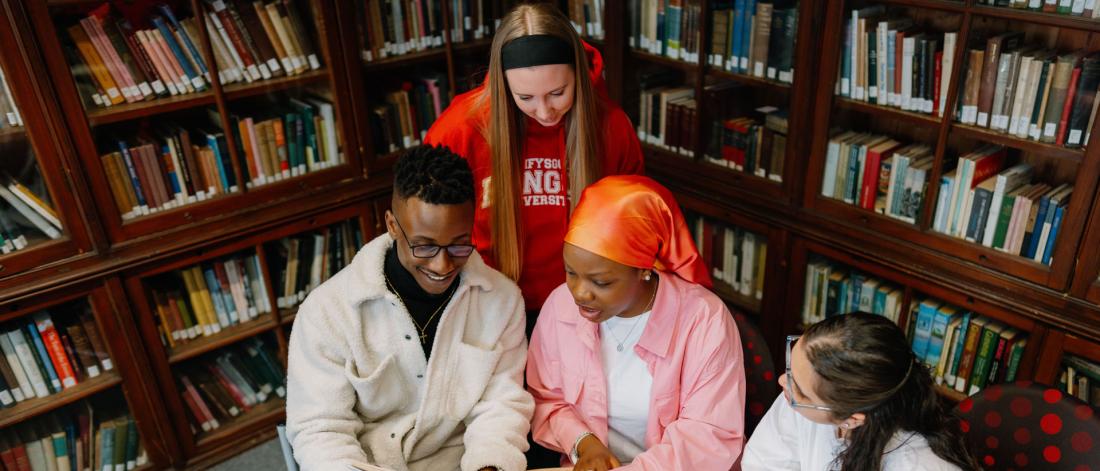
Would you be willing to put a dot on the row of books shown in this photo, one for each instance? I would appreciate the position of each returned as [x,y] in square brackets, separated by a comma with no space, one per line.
[654,124]
[877,173]
[46,353]
[750,143]
[113,62]
[984,201]
[892,61]
[755,37]
[230,382]
[965,350]
[403,118]
[832,289]
[9,112]
[78,438]
[201,300]
[171,167]
[304,261]
[666,27]
[1030,92]
[1080,378]
[37,212]
[587,17]
[737,257]
[289,139]
[399,27]
[1082,8]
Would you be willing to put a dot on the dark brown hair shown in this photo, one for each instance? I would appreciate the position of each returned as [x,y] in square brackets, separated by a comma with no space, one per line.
[866,365]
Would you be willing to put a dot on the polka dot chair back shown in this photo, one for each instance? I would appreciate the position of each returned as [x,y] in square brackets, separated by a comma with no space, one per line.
[760,385]
[1025,425]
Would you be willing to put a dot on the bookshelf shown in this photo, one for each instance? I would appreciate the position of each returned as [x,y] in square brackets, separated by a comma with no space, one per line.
[124,266]
[116,265]
[1051,301]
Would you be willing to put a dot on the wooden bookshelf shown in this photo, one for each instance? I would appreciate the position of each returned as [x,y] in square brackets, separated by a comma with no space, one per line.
[107,259]
[40,405]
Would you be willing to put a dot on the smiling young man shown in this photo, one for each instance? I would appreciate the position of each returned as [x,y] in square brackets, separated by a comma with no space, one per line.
[411,358]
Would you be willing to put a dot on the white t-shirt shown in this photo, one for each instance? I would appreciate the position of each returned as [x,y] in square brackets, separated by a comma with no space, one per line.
[787,440]
[628,386]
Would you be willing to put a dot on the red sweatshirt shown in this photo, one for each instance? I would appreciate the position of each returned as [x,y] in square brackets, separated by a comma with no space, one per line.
[544,209]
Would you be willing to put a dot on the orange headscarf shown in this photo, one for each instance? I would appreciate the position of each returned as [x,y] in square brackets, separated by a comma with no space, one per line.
[633,220]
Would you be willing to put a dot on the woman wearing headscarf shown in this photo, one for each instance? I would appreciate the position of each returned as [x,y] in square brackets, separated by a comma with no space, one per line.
[634,362]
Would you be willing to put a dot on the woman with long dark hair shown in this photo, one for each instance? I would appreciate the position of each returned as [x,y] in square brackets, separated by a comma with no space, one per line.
[855,398]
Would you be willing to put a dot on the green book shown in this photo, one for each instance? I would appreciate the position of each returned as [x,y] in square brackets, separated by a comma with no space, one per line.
[1014,360]
[107,446]
[1003,219]
[983,357]
[118,458]
[131,443]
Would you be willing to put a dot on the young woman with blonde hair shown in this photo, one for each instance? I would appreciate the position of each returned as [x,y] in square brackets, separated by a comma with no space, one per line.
[536,132]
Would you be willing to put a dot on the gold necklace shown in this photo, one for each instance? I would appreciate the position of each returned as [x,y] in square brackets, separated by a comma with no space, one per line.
[422,330]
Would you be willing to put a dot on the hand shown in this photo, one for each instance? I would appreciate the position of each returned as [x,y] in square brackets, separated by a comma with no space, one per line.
[594,456]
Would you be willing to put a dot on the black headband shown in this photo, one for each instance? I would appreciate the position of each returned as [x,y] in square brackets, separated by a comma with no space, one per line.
[536,49]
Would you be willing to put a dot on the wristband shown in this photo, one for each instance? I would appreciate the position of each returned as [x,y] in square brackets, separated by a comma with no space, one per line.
[573,454]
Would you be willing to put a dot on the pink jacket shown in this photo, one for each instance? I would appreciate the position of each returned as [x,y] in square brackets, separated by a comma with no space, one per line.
[693,351]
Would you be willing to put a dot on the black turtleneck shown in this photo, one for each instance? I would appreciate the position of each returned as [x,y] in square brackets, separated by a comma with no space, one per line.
[420,304]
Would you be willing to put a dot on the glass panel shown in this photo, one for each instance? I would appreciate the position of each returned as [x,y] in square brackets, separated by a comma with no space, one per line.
[51,351]
[403,107]
[202,300]
[302,262]
[27,214]
[737,258]
[892,78]
[126,56]
[1080,378]
[232,385]
[96,433]
[964,350]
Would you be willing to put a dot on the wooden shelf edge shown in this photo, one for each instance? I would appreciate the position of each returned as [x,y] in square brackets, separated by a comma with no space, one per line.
[749,80]
[1050,150]
[413,57]
[286,316]
[1038,17]
[662,60]
[38,406]
[957,6]
[269,411]
[142,109]
[885,111]
[237,91]
[227,336]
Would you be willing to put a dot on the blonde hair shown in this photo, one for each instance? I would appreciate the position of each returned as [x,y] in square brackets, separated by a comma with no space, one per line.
[506,125]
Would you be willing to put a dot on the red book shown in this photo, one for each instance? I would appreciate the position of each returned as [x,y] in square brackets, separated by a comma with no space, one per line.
[56,351]
[238,396]
[1067,109]
[22,461]
[987,167]
[871,172]
[938,68]
[191,395]
[8,457]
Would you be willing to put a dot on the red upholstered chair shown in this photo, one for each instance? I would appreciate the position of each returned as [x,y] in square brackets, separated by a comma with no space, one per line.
[760,386]
[1025,425]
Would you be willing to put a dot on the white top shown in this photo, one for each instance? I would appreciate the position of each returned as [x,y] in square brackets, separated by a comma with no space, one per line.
[787,440]
[628,385]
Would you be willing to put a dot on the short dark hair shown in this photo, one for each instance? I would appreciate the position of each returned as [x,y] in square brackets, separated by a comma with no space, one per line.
[435,175]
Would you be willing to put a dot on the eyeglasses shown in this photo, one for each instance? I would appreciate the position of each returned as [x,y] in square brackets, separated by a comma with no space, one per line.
[791,385]
[431,250]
